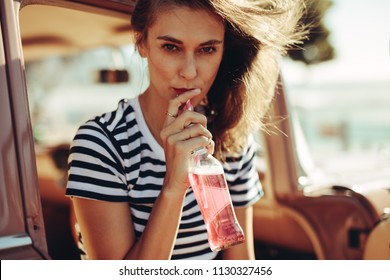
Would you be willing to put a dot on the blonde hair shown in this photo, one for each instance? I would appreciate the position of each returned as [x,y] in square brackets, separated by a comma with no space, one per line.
[256,34]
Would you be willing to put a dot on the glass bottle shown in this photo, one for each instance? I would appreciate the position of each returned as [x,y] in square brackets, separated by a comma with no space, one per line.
[208,182]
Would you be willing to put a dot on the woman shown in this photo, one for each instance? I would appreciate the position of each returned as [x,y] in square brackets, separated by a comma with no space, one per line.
[128,175]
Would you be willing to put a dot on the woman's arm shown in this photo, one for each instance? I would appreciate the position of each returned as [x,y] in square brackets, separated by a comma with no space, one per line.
[244,251]
[106,227]
[108,232]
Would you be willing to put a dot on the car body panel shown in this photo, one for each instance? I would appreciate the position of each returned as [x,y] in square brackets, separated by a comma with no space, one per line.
[22,182]
[11,202]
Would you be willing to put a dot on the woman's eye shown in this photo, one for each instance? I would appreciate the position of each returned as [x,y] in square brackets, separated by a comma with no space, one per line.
[170,47]
[207,50]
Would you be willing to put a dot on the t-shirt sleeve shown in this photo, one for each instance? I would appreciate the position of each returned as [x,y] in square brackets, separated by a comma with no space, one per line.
[242,176]
[95,167]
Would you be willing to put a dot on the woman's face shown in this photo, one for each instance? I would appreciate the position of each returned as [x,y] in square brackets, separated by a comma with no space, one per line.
[184,49]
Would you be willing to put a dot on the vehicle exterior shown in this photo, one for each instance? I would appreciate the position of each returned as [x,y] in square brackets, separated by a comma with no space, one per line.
[305,210]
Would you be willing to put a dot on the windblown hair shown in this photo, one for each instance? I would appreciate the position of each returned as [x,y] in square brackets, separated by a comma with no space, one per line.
[257,32]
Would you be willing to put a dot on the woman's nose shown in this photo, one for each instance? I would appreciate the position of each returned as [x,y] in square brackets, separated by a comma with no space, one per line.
[188,69]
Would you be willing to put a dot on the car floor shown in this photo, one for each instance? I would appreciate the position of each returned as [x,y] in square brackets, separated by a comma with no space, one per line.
[61,245]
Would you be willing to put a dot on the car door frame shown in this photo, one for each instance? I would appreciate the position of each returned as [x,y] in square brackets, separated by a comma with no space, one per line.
[22,230]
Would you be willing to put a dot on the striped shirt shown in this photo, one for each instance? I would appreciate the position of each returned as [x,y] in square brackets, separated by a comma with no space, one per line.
[114,157]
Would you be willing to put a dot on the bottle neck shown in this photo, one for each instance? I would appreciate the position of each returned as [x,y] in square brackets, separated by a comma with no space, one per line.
[198,155]
[199,151]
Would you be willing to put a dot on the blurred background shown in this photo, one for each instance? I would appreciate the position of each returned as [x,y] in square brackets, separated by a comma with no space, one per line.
[339,86]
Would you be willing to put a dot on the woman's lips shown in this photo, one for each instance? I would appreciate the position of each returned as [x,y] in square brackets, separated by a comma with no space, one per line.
[179,91]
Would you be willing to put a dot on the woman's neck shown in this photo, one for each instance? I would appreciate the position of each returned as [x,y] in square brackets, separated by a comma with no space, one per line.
[154,114]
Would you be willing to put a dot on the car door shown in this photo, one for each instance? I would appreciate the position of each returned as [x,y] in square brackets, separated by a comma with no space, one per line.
[22,234]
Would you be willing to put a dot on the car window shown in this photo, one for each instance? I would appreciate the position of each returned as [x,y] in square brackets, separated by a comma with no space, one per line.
[342,104]
[72,84]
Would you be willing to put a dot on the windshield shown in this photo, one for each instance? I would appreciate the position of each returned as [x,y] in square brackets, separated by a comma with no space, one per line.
[342,104]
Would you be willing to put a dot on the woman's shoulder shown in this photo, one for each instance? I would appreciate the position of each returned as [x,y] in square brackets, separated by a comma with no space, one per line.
[111,120]
[249,146]
[125,107]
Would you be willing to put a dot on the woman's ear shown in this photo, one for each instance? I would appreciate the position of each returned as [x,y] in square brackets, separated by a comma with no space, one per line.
[140,42]
[142,50]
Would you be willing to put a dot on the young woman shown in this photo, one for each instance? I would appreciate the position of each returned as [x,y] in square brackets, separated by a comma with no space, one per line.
[128,175]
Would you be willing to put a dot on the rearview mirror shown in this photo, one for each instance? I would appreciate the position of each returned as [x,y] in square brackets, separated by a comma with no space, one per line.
[111,76]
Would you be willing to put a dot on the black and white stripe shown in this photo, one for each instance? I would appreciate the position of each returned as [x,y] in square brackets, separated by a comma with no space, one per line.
[115,158]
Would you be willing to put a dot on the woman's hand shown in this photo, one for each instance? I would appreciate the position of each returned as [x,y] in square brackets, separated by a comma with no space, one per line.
[184,130]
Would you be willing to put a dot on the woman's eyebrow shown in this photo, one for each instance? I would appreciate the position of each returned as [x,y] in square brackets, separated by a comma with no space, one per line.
[211,42]
[176,41]
[169,39]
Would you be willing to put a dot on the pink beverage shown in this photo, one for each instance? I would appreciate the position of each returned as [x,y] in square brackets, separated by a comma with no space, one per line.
[212,194]
[208,182]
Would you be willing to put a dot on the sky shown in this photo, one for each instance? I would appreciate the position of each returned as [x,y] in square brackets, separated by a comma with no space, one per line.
[360,32]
